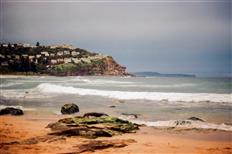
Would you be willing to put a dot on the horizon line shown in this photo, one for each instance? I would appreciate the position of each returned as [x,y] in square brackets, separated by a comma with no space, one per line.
[113,1]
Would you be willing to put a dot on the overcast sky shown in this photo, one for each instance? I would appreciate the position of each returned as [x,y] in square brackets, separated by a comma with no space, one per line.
[168,37]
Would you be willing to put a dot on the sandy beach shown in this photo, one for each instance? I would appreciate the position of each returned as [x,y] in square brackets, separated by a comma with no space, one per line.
[26,134]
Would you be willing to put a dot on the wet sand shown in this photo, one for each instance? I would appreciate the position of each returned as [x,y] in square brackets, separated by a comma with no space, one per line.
[146,140]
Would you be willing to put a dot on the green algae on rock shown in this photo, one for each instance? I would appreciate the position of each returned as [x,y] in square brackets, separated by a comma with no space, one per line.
[92,127]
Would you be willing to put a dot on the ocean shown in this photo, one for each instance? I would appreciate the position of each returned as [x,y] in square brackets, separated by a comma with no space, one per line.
[157,101]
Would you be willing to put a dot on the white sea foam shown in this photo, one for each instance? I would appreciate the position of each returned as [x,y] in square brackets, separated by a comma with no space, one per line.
[18,76]
[18,107]
[99,81]
[128,95]
[9,84]
[184,124]
[160,86]
[24,94]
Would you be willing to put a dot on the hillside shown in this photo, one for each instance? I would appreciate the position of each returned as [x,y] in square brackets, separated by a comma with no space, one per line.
[60,60]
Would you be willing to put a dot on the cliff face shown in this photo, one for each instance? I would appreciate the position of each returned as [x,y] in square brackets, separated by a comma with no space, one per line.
[56,60]
[112,67]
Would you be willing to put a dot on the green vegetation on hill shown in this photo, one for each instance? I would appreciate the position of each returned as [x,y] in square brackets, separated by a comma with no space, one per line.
[55,60]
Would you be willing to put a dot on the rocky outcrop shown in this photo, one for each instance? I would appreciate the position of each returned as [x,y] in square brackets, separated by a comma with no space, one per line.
[112,67]
[131,115]
[92,127]
[11,110]
[69,109]
[88,145]
[93,145]
[196,119]
[94,114]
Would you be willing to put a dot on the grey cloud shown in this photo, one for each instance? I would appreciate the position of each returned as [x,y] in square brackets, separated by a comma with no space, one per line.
[165,37]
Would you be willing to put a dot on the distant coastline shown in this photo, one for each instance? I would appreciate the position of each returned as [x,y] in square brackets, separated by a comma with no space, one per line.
[156,74]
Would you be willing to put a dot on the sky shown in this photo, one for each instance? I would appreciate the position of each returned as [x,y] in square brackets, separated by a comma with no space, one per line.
[163,36]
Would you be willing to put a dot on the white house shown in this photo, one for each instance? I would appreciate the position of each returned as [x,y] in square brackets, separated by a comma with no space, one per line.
[74,53]
[24,55]
[60,53]
[86,60]
[67,60]
[46,54]
[38,56]
[31,57]
[2,56]
[66,52]
[53,61]
[60,60]
[52,54]
[4,63]
[17,57]
[76,60]
[52,47]
[26,45]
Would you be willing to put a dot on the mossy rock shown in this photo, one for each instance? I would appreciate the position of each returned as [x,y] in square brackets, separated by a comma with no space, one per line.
[92,127]
[69,109]
[93,120]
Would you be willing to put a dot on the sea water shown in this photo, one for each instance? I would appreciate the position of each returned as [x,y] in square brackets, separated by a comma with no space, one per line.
[158,101]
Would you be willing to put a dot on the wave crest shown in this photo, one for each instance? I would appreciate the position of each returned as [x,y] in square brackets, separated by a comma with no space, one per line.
[129,95]
[184,124]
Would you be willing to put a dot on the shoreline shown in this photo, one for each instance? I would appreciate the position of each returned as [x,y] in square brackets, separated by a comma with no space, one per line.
[49,75]
[145,140]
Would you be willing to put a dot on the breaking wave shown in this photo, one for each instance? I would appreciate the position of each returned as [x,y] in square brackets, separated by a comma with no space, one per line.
[160,86]
[99,81]
[129,95]
[9,84]
[184,124]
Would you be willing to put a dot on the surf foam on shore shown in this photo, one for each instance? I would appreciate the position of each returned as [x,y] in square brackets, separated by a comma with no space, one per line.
[183,124]
[129,95]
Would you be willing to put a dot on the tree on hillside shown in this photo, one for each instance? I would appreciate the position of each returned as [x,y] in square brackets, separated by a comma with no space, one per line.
[37,44]
[9,46]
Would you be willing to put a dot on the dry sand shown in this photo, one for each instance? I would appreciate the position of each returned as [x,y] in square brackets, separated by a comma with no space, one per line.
[146,141]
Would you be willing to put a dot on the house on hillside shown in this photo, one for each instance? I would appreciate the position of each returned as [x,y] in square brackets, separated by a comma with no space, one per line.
[26,45]
[5,45]
[4,63]
[52,47]
[44,53]
[76,60]
[17,57]
[67,60]
[66,52]
[2,56]
[31,57]
[38,55]
[24,55]
[53,61]
[74,53]
[60,53]
[52,55]
[60,60]
[86,60]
